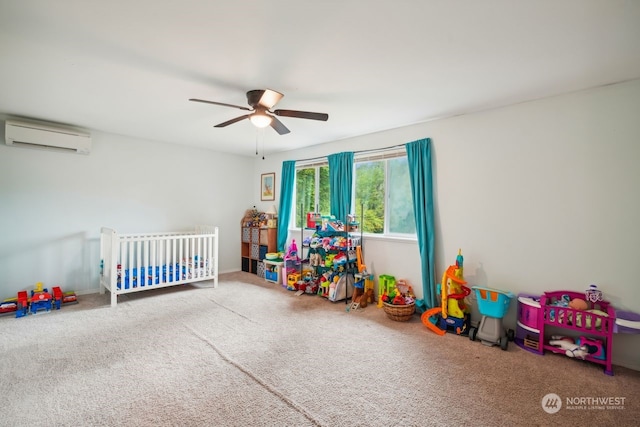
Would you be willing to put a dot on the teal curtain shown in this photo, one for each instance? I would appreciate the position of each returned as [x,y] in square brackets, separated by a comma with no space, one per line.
[419,158]
[287,185]
[340,184]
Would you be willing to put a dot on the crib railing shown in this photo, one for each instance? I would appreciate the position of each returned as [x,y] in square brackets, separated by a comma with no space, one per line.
[134,262]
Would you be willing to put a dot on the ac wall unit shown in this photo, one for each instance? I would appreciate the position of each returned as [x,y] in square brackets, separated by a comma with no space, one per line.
[33,135]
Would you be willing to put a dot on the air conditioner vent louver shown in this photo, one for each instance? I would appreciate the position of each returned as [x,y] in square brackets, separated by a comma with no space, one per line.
[44,136]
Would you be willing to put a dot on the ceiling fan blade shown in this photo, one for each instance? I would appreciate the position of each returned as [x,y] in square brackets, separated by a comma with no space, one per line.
[220,103]
[264,98]
[278,126]
[232,121]
[302,114]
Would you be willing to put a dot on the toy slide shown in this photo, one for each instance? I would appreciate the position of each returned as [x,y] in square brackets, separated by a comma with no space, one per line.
[361,267]
[426,320]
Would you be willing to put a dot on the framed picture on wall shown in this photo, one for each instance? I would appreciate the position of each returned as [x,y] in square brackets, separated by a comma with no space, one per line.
[268,186]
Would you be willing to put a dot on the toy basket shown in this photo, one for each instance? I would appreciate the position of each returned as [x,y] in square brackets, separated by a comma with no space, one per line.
[400,313]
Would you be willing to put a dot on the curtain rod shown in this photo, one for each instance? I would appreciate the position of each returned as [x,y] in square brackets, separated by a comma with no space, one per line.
[313,159]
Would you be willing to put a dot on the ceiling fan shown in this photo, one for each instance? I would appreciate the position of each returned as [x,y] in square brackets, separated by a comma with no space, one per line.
[261,102]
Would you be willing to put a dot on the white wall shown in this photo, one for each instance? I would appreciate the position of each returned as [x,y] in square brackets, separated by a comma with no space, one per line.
[540,196]
[52,205]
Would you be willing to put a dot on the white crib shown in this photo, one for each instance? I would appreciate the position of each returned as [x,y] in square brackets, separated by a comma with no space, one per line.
[138,262]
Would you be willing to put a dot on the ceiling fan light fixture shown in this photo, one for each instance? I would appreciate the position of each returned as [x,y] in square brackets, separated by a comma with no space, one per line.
[261,120]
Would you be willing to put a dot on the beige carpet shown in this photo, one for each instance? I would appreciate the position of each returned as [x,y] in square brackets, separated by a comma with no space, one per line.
[250,353]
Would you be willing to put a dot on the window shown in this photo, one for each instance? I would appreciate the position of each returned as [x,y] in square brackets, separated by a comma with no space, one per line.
[388,213]
[312,192]
[385,212]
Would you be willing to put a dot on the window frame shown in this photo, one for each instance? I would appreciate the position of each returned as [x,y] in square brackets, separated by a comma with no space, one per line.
[368,156]
[382,155]
[315,165]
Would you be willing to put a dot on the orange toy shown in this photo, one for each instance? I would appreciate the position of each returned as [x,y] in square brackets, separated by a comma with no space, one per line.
[453,314]
[426,320]
[453,290]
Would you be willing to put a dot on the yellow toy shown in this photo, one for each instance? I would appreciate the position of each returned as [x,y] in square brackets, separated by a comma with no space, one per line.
[368,287]
[328,260]
[453,291]
[292,279]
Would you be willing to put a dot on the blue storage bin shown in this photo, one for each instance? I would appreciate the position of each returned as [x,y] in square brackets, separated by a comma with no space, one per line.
[271,275]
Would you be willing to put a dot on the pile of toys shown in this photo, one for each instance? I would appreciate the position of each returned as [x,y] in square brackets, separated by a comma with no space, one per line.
[329,269]
[396,298]
[254,218]
[580,304]
[307,285]
[395,292]
[38,300]
[324,222]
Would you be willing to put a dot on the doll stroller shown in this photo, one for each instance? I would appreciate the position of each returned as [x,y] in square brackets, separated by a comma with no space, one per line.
[493,305]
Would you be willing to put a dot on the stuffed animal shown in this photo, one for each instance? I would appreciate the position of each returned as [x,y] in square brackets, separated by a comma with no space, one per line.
[569,345]
[369,294]
[315,259]
[366,298]
[357,293]
[578,304]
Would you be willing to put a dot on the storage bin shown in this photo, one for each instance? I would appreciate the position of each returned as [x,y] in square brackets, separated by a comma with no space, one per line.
[255,252]
[528,310]
[261,269]
[271,276]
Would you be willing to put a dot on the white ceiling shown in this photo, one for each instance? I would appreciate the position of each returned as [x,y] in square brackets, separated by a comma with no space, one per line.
[129,66]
